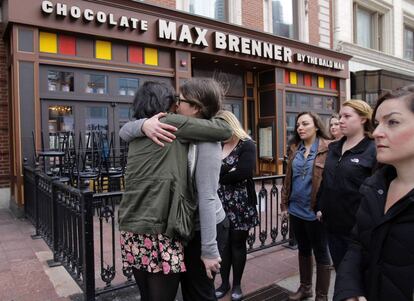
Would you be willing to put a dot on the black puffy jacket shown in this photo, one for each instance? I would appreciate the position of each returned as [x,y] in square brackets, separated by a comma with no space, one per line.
[379,263]
[338,197]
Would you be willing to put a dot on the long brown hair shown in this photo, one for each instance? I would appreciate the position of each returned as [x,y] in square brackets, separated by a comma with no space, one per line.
[319,124]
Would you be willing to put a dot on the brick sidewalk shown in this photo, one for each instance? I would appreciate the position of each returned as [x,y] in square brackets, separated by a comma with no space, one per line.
[24,274]
[22,269]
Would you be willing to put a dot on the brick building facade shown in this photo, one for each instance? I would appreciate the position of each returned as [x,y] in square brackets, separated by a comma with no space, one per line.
[57,59]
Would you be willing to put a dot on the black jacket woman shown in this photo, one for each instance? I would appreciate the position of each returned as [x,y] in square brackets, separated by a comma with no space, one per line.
[350,161]
[379,264]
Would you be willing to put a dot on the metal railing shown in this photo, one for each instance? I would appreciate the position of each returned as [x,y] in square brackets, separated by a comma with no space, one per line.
[82,231]
[271,230]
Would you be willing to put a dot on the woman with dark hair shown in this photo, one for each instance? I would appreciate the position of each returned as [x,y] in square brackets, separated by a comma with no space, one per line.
[379,264]
[350,161]
[157,211]
[303,177]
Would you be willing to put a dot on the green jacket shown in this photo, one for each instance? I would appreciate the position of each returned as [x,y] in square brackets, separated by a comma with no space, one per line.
[158,197]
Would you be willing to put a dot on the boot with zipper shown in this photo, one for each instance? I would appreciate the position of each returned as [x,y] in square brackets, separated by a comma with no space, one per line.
[323,278]
[305,272]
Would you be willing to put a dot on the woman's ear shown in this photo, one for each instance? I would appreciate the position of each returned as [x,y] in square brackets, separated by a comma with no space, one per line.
[364,120]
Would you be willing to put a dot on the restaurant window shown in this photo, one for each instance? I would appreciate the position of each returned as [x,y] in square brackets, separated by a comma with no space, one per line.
[409,43]
[96,84]
[127,86]
[368,27]
[59,81]
[324,106]
[281,18]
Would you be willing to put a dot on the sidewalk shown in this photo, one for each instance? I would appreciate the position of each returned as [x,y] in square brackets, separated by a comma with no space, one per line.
[24,274]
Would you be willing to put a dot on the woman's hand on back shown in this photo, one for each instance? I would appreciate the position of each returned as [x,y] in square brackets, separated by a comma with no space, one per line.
[157,131]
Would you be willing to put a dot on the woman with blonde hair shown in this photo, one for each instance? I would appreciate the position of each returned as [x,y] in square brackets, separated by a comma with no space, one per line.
[238,197]
[350,161]
[334,128]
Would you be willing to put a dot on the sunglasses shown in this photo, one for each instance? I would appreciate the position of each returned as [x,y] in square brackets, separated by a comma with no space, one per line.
[179,100]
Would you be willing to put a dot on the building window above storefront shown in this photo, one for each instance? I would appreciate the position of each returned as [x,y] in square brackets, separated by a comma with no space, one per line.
[408,43]
[221,10]
[368,27]
[281,17]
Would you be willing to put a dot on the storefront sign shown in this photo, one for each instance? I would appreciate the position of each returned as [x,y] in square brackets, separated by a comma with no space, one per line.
[191,35]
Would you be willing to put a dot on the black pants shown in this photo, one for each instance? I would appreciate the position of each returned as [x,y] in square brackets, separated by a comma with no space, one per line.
[311,235]
[195,284]
[338,246]
[235,254]
[156,286]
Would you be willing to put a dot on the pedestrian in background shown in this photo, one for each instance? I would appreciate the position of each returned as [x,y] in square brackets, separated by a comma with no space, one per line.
[350,161]
[379,264]
[303,177]
[334,128]
[238,196]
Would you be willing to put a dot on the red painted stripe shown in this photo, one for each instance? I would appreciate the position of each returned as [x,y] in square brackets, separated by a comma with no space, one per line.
[287,77]
[308,80]
[67,45]
[135,54]
[333,84]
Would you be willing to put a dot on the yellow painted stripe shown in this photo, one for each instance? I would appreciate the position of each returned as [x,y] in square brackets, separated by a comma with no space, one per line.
[151,56]
[47,42]
[321,82]
[293,78]
[103,50]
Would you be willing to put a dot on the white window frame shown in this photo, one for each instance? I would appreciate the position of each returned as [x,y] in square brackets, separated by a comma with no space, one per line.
[301,25]
[234,10]
[407,23]
[383,32]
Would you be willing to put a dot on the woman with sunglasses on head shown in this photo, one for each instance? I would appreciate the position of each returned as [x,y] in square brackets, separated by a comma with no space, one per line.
[157,211]
[298,198]
[350,161]
[237,193]
[200,98]
[379,264]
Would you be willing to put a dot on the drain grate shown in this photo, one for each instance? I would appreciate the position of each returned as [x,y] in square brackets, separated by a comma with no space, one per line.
[270,293]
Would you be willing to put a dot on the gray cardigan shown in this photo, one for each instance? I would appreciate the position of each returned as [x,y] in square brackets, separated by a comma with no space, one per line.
[207,170]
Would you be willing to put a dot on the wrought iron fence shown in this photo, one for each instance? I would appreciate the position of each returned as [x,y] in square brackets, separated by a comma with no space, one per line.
[82,231]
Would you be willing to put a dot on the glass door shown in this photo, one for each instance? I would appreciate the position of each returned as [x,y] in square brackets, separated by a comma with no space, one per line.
[82,118]
[58,120]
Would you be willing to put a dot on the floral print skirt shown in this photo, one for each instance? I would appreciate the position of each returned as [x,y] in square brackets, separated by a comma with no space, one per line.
[152,253]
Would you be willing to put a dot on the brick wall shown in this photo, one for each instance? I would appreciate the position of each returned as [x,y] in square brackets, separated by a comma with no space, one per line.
[252,14]
[313,22]
[4,118]
[165,3]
